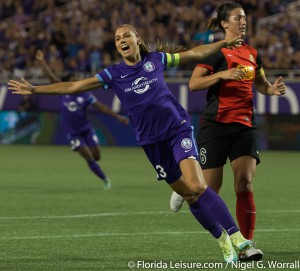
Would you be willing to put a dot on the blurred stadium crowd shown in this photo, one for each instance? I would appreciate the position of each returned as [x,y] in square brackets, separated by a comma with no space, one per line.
[77,36]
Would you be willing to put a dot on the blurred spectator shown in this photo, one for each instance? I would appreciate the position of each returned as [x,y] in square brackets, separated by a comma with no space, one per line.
[83,63]
[95,59]
[27,104]
[29,119]
[274,6]
[296,60]
[96,32]
[81,32]
[20,18]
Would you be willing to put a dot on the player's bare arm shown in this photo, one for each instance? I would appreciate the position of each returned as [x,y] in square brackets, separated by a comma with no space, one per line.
[203,51]
[23,87]
[266,88]
[201,79]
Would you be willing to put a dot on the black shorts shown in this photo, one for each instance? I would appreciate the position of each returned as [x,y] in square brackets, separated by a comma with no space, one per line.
[217,141]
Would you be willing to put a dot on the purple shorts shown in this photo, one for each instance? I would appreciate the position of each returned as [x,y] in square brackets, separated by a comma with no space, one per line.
[165,156]
[86,138]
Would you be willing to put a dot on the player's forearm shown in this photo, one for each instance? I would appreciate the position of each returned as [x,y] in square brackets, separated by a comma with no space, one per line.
[266,90]
[58,88]
[206,50]
[69,87]
[106,110]
[264,87]
[205,82]
[201,51]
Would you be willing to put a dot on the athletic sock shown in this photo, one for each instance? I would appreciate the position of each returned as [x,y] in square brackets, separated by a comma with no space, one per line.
[213,214]
[96,169]
[205,218]
[221,212]
[246,213]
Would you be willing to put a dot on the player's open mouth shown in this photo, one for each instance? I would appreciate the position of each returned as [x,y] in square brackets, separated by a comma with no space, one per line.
[125,48]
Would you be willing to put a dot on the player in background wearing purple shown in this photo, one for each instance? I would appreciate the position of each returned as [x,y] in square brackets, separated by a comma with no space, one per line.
[162,126]
[80,132]
[227,126]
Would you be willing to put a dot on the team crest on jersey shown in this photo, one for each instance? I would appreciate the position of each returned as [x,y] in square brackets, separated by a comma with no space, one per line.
[249,72]
[149,66]
[186,143]
[251,58]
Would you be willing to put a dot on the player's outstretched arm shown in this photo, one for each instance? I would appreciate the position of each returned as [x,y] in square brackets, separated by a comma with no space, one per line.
[202,51]
[23,87]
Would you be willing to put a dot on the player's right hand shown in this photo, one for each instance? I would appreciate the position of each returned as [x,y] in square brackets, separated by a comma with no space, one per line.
[22,88]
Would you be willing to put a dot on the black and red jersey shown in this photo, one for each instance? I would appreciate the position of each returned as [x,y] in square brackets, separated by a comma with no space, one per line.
[230,100]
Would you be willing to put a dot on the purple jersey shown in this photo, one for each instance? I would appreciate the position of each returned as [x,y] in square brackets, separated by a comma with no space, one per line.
[155,113]
[73,109]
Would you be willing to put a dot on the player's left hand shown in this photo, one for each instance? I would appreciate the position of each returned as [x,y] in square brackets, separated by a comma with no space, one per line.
[279,87]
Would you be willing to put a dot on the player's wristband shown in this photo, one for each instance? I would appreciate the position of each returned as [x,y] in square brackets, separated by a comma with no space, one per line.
[260,72]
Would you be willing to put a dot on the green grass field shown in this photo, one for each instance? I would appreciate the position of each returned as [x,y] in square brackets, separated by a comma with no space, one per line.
[55,215]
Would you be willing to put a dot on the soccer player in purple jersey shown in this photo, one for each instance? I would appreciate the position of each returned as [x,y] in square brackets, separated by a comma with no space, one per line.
[162,127]
[80,132]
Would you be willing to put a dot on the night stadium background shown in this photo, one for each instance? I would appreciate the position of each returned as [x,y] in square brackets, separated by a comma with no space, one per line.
[54,213]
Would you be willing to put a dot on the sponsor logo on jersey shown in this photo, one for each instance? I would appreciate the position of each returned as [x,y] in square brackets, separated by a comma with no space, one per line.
[149,66]
[140,85]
